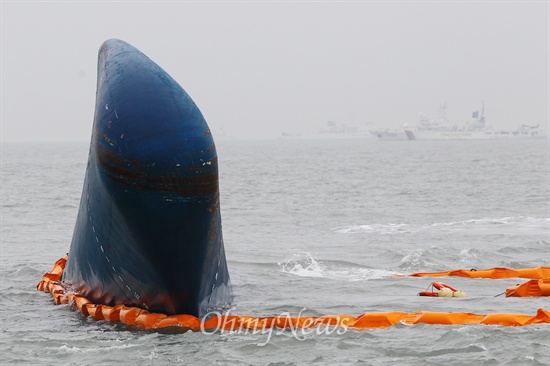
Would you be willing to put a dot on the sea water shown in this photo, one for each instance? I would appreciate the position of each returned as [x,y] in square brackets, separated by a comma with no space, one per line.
[311,227]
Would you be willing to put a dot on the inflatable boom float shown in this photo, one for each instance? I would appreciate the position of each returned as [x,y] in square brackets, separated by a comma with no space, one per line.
[148,231]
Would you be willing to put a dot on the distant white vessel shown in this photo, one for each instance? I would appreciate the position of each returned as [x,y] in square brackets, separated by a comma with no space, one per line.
[334,130]
[387,134]
[330,130]
[441,129]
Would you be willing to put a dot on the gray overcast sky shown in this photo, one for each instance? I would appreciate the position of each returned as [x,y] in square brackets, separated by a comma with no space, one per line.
[256,69]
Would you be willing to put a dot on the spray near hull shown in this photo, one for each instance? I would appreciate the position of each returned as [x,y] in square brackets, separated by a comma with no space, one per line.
[148,231]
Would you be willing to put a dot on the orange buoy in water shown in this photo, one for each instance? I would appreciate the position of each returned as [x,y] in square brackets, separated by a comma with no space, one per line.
[530,288]
[443,290]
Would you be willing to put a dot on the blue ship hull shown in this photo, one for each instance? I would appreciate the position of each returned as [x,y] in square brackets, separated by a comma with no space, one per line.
[148,231]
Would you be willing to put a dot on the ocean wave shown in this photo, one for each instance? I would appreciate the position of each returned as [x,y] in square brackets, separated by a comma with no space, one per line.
[20,272]
[374,228]
[74,349]
[519,223]
[513,220]
[303,264]
[416,258]
[529,247]
[469,254]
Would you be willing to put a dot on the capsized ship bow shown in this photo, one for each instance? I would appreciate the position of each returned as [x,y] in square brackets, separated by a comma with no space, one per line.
[148,231]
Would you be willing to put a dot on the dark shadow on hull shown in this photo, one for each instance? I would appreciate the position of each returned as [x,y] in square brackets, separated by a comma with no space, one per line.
[148,231]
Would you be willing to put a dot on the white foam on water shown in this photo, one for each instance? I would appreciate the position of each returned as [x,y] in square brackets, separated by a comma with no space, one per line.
[301,263]
[357,274]
[373,228]
[484,224]
[467,254]
[66,349]
[413,259]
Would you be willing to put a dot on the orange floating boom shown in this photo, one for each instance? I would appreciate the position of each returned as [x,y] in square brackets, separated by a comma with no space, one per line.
[530,288]
[494,273]
[143,319]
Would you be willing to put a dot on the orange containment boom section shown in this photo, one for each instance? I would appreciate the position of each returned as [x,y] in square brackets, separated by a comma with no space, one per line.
[530,288]
[494,273]
[143,319]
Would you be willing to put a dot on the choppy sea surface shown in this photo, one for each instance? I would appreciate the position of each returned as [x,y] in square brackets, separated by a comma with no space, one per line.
[311,227]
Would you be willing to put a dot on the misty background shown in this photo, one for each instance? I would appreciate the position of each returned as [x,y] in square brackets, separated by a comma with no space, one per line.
[258,69]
